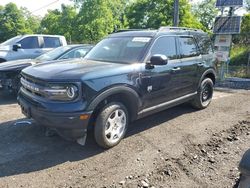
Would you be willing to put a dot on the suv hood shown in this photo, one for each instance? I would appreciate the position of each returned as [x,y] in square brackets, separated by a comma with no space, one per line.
[75,70]
[16,65]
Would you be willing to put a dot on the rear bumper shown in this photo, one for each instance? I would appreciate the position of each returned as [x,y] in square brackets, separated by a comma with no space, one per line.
[79,120]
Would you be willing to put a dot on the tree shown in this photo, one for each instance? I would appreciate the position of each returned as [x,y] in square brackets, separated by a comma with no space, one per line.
[205,12]
[16,21]
[61,22]
[247,3]
[32,23]
[156,13]
[245,29]
[12,22]
[97,18]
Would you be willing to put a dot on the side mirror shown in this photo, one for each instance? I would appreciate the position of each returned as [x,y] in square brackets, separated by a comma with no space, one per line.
[158,59]
[16,47]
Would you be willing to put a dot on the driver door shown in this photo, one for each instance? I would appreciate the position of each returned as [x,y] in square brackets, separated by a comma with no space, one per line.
[158,83]
[30,48]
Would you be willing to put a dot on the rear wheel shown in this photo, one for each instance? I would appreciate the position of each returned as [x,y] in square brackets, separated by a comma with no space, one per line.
[204,95]
[111,125]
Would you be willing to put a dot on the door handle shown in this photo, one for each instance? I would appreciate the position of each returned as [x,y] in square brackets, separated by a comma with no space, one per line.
[201,64]
[38,52]
[176,69]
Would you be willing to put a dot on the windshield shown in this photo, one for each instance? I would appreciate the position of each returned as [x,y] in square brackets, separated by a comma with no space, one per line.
[119,50]
[11,41]
[53,54]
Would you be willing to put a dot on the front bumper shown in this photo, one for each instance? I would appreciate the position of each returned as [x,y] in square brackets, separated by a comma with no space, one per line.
[62,120]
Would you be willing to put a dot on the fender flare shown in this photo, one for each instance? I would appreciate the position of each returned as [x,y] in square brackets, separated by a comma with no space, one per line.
[131,93]
[209,71]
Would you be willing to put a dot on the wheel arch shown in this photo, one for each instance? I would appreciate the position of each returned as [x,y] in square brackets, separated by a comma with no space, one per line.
[210,73]
[124,94]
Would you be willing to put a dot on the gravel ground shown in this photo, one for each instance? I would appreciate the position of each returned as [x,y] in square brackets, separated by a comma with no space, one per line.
[179,147]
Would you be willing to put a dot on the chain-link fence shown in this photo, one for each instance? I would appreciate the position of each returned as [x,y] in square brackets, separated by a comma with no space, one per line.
[226,70]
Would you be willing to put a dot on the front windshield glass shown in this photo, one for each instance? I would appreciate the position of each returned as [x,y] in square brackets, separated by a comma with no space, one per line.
[11,41]
[119,50]
[53,54]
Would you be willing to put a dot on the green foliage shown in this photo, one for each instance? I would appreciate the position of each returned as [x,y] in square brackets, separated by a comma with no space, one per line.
[245,29]
[156,13]
[61,22]
[97,18]
[205,11]
[16,21]
[239,54]
[240,51]
[247,2]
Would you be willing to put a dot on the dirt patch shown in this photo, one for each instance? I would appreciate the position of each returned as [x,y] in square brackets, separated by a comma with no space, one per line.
[179,147]
[202,163]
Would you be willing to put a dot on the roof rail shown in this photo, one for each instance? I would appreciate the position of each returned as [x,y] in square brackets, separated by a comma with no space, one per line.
[169,28]
[125,30]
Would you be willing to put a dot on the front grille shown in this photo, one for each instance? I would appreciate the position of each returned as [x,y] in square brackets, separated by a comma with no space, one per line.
[33,86]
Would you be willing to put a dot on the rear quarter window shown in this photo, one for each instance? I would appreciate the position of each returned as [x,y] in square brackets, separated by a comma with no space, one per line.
[205,45]
[51,42]
[188,47]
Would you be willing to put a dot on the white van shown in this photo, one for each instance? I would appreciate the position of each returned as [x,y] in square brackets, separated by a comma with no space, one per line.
[29,46]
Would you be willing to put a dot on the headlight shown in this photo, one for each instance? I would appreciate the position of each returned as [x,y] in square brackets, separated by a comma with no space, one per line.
[62,92]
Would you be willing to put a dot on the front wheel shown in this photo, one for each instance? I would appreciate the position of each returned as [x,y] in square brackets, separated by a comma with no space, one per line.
[111,125]
[204,95]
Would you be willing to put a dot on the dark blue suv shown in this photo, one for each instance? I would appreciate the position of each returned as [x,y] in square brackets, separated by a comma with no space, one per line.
[126,76]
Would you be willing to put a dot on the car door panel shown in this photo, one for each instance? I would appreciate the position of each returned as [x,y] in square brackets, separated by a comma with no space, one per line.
[158,82]
[190,58]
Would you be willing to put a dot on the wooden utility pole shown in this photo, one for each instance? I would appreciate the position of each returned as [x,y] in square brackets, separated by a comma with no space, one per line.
[176,13]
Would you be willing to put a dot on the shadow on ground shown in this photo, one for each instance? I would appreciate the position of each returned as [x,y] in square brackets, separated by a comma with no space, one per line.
[24,148]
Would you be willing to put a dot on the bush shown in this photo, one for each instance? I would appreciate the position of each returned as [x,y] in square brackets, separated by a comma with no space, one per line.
[239,55]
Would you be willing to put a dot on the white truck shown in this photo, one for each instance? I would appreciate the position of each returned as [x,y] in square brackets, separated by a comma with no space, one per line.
[29,46]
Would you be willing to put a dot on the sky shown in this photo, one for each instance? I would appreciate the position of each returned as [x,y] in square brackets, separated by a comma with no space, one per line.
[38,7]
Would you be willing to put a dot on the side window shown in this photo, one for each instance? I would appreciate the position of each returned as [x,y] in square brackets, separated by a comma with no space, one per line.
[76,53]
[188,47]
[165,46]
[205,45]
[29,43]
[51,42]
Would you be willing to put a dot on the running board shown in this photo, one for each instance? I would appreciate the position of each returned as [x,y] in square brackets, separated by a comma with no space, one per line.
[166,105]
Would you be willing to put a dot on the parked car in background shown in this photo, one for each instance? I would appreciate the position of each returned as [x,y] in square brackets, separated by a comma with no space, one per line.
[126,76]
[29,46]
[10,71]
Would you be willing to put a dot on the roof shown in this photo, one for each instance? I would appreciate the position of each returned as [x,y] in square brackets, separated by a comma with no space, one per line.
[43,35]
[160,31]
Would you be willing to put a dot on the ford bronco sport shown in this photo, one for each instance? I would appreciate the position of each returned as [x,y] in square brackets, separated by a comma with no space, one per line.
[126,76]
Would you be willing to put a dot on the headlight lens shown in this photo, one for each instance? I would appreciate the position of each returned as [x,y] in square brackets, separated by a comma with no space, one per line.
[62,92]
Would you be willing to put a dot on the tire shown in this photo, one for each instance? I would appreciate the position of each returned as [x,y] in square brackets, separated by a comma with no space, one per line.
[204,95]
[111,125]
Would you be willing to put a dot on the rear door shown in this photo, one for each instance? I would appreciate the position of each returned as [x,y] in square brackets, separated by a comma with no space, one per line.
[50,43]
[188,70]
